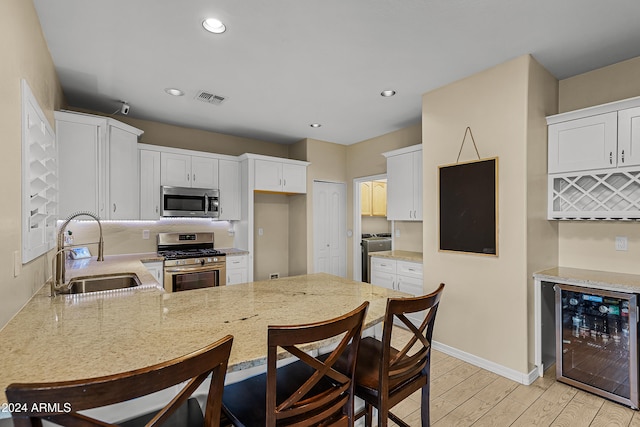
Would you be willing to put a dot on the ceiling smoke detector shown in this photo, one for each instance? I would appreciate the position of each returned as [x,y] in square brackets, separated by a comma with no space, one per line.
[210,98]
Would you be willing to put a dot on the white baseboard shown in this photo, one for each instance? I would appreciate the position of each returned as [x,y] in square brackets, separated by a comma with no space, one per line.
[503,371]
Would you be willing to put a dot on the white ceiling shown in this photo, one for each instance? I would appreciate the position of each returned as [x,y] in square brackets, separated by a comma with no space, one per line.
[284,64]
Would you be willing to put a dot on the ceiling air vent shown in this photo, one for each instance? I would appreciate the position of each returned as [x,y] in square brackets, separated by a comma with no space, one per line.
[210,98]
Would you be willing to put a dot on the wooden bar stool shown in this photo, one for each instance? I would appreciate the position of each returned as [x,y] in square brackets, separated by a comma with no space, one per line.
[80,395]
[386,376]
[307,392]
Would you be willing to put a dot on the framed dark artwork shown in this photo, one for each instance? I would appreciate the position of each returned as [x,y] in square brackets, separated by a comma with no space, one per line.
[468,194]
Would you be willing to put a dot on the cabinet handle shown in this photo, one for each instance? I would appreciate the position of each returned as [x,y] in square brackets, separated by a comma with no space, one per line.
[622,156]
[285,183]
[156,208]
[114,207]
[188,177]
[194,177]
[610,157]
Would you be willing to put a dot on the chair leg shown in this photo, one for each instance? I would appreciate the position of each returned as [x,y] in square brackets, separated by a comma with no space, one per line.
[368,415]
[383,416]
[424,405]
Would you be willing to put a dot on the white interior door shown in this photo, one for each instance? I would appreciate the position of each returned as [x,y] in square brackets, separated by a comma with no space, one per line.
[329,228]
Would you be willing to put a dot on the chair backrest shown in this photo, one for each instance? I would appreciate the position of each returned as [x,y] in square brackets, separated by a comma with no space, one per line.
[64,399]
[325,395]
[412,360]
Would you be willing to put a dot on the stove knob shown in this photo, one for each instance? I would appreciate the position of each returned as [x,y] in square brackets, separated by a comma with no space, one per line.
[215,259]
[209,259]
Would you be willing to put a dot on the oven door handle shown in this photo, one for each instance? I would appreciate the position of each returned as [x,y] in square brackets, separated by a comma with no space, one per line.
[190,269]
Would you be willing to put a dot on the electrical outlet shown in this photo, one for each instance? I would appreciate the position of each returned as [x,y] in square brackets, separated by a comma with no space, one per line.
[145,234]
[274,276]
[621,243]
[397,232]
[260,231]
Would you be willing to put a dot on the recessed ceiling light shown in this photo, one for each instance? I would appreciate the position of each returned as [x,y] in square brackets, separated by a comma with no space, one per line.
[214,25]
[173,91]
[315,125]
[387,93]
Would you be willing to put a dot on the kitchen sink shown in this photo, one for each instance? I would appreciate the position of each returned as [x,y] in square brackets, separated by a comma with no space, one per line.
[83,285]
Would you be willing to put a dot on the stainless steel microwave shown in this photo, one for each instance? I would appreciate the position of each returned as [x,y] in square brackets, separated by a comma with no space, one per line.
[190,202]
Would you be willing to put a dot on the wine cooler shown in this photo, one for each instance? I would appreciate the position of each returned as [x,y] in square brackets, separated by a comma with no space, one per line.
[596,342]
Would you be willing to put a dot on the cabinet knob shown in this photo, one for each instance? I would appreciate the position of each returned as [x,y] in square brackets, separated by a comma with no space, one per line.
[610,157]
[622,156]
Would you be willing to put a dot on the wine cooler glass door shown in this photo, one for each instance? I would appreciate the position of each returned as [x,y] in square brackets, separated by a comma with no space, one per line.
[597,342]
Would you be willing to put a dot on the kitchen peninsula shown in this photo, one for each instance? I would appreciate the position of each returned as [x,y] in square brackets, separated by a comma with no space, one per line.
[67,337]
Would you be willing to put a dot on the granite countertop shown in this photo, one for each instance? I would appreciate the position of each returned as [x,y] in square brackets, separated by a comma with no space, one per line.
[596,279]
[399,255]
[65,338]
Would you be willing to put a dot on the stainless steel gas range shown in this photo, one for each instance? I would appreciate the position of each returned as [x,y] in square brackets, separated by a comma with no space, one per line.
[191,262]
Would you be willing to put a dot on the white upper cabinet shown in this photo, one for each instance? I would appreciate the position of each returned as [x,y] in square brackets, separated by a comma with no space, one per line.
[183,170]
[601,137]
[204,172]
[594,162]
[98,166]
[229,185]
[583,144]
[149,184]
[280,177]
[404,184]
[123,174]
[629,137]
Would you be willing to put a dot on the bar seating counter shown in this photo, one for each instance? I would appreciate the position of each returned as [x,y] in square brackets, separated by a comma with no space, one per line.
[74,337]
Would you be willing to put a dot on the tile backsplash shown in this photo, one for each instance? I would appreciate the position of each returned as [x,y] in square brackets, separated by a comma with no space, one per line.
[124,237]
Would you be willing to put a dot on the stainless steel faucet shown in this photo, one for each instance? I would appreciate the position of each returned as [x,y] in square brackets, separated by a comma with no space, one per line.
[59,270]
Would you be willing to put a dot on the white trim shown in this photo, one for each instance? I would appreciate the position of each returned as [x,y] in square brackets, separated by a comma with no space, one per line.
[357,223]
[522,378]
[595,110]
[404,150]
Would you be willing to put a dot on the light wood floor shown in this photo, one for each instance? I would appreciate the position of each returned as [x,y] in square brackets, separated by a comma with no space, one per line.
[465,395]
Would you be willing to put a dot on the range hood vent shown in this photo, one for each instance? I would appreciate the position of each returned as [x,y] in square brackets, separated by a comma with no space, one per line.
[210,98]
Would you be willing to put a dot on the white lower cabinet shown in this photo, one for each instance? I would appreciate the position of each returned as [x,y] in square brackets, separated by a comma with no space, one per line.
[237,271]
[156,268]
[403,276]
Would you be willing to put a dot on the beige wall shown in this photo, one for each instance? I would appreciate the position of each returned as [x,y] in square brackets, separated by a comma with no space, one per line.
[328,163]
[365,159]
[607,84]
[485,307]
[542,235]
[591,244]
[24,56]
[271,250]
[167,135]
